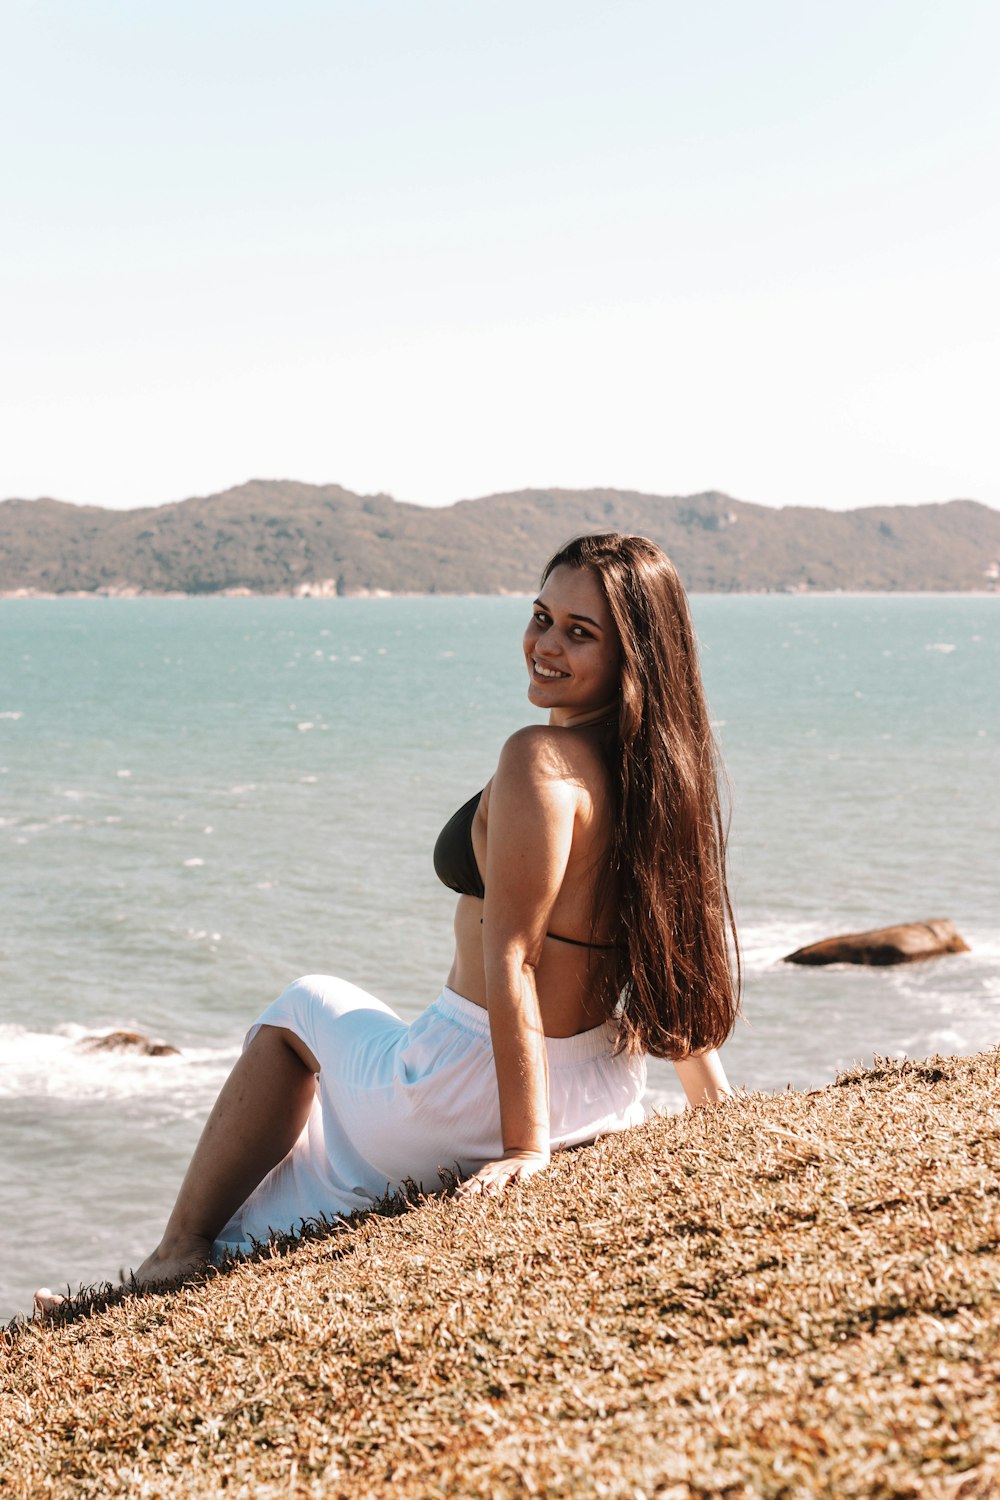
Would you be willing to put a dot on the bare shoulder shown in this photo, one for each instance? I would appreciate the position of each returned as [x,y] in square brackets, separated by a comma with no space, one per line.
[541,753]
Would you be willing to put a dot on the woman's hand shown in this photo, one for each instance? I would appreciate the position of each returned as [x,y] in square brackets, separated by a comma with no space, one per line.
[516,1166]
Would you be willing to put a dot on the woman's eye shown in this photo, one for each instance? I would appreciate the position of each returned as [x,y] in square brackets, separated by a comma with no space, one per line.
[582,634]
[541,618]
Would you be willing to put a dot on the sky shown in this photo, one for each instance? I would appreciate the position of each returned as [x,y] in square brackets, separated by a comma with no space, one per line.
[447,248]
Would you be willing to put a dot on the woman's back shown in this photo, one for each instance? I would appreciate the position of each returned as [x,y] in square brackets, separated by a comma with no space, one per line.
[557,785]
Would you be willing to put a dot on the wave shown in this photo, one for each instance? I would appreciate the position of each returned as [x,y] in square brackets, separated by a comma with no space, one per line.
[944,1041]
[53,1065]
[765,944]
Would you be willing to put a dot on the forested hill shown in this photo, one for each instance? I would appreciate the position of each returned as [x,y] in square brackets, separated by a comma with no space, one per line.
[281,537]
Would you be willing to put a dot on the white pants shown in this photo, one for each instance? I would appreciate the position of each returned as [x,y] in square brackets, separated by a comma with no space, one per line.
[396,1101]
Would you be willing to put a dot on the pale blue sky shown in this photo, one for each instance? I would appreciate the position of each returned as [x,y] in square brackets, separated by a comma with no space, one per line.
[443,248]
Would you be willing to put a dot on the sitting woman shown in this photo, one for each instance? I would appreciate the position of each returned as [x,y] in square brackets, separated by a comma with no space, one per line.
[593,927]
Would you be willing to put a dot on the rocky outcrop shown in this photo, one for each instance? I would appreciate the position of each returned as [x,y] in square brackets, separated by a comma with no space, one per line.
[127,1041]
[905,944]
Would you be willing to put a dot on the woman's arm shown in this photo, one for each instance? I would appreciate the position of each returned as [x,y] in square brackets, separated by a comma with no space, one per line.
[703,1078]
[532,810]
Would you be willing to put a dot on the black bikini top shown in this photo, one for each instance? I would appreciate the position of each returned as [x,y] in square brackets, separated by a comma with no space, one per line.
[454,857]
[455,864]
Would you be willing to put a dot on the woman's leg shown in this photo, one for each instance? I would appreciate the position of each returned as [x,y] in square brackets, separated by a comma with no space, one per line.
[256,1120]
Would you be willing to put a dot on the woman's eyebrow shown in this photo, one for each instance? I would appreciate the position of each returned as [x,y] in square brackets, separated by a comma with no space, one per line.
[540,604]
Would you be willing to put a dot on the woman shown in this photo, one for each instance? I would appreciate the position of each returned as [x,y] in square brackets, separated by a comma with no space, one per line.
[592,927]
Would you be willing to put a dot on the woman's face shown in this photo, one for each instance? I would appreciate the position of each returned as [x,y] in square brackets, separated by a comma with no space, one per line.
[571,649]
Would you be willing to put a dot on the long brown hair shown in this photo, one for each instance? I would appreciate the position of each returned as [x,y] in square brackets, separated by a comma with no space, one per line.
[675,986]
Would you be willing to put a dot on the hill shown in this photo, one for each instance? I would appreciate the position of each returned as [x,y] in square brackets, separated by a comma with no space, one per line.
[785,1296]
[280,537]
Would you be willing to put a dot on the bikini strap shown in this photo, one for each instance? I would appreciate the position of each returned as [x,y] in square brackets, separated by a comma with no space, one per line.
[578,942]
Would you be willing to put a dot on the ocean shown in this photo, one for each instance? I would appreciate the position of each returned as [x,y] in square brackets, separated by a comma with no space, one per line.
[202,798]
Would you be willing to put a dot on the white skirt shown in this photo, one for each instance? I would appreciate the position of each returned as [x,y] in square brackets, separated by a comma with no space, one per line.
[397,1101]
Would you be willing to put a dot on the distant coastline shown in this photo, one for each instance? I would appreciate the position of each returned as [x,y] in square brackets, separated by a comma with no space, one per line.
[285,539]
[10,595]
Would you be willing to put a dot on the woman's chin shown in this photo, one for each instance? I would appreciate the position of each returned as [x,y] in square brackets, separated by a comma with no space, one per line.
[539,694]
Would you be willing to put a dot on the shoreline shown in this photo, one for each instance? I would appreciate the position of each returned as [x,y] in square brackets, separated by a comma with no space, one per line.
[309,592]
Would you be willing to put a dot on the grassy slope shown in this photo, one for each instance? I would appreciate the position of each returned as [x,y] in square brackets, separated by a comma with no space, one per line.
[792,1295]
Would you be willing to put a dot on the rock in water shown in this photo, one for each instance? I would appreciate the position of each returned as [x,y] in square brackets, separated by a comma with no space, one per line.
[905,944]
[127,1041]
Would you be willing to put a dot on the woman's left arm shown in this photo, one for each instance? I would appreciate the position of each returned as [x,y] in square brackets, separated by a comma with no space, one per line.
[532,810]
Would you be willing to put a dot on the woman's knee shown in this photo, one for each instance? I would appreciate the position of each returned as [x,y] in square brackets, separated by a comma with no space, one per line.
[302,1050]
[316,1009]
[268,1035]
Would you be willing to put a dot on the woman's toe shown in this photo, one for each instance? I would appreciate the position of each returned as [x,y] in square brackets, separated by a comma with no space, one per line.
[46,1301]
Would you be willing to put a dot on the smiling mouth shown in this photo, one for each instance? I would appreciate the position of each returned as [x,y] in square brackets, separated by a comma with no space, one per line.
[548,674]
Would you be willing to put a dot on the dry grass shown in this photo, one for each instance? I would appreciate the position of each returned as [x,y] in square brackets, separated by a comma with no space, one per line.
[789,1296]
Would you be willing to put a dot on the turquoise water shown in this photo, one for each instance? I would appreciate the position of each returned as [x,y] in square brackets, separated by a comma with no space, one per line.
[200,799]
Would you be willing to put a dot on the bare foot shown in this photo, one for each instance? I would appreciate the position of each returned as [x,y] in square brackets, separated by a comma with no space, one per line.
[46,1302]
[170,1264]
